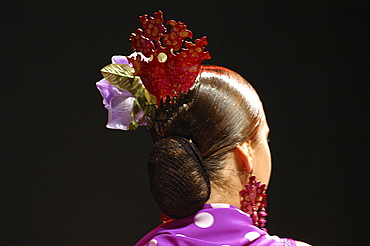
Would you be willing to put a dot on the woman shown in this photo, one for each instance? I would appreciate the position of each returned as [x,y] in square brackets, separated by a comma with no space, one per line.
[210,148]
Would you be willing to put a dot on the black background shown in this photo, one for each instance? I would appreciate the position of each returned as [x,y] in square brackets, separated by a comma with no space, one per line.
[67,180]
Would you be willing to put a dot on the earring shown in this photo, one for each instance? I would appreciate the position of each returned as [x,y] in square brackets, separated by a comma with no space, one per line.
[254,201]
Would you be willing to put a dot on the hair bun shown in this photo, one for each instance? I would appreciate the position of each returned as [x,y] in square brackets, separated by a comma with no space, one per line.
[178,179]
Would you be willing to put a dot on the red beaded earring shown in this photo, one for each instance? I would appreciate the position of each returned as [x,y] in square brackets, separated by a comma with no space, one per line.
[254,201]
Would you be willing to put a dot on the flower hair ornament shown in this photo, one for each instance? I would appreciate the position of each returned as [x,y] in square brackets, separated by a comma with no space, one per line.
[162,68]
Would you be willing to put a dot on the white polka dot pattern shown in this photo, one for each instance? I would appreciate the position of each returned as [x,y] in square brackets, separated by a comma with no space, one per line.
[275,238]
[204,220]
[217,224]
[153,242]
[220,205]
[253,235]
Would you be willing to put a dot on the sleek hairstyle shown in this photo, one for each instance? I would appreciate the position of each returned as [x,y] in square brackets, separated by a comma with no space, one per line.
[193,135]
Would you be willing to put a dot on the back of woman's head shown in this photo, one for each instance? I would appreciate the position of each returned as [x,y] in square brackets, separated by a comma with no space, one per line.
[220,112]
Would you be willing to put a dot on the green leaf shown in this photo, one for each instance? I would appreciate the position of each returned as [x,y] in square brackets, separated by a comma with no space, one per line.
[121,76]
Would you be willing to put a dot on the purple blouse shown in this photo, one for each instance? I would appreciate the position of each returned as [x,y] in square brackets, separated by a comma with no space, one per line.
[216,224]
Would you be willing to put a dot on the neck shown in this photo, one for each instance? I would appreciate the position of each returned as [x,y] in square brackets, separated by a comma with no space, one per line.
[226,190]
[222,195]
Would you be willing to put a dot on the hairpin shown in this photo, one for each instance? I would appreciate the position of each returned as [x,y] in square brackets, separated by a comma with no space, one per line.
[163,66]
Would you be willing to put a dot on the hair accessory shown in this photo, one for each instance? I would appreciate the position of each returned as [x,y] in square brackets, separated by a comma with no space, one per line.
[254,202]
[125,97]
[158,72]
[169,71]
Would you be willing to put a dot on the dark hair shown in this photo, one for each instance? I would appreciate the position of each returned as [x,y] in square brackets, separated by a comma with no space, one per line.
[220,112]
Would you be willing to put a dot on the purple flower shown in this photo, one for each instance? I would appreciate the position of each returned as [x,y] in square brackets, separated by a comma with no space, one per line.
[118,102]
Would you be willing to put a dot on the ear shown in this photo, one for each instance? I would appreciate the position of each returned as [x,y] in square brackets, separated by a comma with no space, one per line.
[245,156]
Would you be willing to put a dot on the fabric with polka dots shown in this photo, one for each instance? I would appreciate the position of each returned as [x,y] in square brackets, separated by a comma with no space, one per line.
[217,224]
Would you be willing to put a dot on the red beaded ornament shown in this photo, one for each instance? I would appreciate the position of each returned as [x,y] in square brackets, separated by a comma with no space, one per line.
[254,202]
[171,69]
